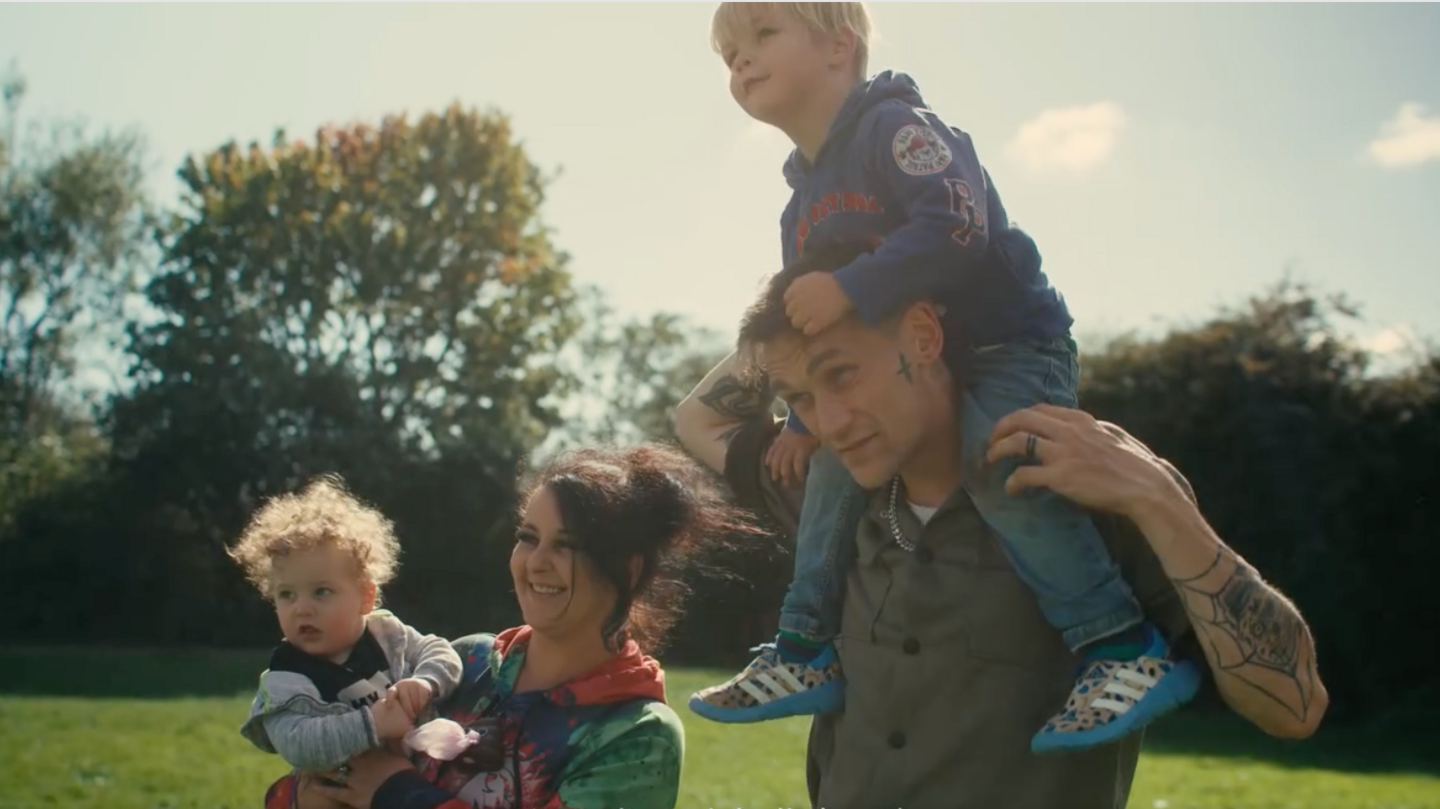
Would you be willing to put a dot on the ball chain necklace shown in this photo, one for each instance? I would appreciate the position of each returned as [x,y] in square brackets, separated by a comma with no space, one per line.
[900,539]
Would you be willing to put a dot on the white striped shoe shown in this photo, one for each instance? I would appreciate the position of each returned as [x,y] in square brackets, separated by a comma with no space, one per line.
[1114,698]
[772,687]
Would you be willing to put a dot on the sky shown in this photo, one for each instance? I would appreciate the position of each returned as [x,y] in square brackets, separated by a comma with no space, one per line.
[1169,160]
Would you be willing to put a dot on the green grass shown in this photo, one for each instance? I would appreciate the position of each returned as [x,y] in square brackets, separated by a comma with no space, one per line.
[80,729]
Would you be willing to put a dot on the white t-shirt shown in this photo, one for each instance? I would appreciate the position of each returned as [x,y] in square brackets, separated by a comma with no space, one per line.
[922,513]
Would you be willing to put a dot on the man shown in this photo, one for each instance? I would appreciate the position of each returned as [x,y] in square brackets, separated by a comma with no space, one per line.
[949,662]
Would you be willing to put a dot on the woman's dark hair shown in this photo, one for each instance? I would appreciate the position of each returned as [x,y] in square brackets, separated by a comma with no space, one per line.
[650,501]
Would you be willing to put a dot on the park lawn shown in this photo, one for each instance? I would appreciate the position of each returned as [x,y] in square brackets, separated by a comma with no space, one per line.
[152,752]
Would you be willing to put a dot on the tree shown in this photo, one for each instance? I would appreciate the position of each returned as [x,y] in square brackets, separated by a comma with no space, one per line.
[403,265]
[631,374]
[1315,470]
[381,302]
[74,223]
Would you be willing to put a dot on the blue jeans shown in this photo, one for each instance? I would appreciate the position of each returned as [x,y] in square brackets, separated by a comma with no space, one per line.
[1052,544]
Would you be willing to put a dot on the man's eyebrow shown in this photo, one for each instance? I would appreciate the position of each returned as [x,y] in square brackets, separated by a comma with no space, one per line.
[820,359]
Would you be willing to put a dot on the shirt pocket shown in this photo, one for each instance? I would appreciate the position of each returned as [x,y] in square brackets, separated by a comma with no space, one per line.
[1004,624]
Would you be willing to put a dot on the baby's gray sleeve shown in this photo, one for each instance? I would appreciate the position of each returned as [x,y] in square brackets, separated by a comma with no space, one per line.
[320,743]
[289,718]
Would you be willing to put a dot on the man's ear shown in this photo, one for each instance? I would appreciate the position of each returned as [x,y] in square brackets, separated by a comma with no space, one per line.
[368,592]
[921,333]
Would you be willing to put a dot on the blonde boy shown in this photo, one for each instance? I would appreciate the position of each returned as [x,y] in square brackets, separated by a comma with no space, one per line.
[347,677]
[873,165]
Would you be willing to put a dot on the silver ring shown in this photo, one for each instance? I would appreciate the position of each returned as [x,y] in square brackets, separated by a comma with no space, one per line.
[1030,441]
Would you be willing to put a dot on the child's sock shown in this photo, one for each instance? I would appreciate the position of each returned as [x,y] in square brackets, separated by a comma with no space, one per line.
[1126,645]
[798,648]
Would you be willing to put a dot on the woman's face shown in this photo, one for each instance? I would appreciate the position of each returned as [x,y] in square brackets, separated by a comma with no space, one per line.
[560,592]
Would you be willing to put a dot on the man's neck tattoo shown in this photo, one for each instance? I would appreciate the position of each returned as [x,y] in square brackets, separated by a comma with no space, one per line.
[905,369]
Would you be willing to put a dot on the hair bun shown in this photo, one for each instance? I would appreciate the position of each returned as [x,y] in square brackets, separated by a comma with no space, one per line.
[665,503]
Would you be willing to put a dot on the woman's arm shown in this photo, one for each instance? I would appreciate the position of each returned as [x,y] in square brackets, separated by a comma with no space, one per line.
[639,769]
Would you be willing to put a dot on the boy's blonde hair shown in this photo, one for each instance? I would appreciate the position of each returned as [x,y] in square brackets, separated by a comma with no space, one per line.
[733,19]
[323,514]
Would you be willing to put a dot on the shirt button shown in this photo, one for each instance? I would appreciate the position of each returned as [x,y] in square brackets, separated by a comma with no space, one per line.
[925,556]
[911,646]
[897,740]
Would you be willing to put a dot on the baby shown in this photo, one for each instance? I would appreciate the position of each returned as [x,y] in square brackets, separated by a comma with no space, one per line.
[347,677]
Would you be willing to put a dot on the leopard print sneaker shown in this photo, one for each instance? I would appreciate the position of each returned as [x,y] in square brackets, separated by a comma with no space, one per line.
[1114,698]
[772,688]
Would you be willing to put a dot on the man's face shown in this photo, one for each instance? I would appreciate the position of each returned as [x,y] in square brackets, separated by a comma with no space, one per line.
[858,389]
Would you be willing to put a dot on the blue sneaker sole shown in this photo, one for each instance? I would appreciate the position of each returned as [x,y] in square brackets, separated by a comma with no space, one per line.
[1178,688]
[827,698]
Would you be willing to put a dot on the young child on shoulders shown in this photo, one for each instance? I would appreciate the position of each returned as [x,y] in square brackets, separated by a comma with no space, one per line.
[874,164]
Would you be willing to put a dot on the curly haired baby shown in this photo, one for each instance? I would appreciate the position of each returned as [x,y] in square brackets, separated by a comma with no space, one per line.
[347,676]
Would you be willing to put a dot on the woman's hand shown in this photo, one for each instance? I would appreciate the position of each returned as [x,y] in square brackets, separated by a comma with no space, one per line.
[367,772]
[308,797]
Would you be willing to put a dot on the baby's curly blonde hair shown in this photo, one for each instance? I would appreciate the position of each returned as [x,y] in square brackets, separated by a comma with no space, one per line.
[324,513]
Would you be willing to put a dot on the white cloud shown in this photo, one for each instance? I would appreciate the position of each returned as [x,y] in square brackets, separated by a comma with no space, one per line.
[1068,139]
[1408,139]
[1391,340]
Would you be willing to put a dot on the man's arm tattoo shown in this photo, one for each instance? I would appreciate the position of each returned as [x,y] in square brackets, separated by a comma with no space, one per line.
[732,397]
[1253,632]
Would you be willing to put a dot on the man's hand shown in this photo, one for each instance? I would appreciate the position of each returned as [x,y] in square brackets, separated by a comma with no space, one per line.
[1091,462]
[789,456]
[815,302]
[414,694]
[392,720]
[1254,639]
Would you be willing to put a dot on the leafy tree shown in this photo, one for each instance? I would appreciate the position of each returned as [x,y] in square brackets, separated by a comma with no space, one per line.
[382,302]
[73,228]
[631,374]
[1310,466]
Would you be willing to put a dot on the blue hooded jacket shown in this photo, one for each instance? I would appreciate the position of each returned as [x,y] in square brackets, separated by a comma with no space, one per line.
[891,169]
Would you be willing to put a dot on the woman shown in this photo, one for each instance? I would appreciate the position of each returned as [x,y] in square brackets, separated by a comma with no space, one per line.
[571,710]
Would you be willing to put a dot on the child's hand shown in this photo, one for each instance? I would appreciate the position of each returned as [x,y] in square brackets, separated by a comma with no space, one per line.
[789,456]
[414,694]
[815,302]
[392,721]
